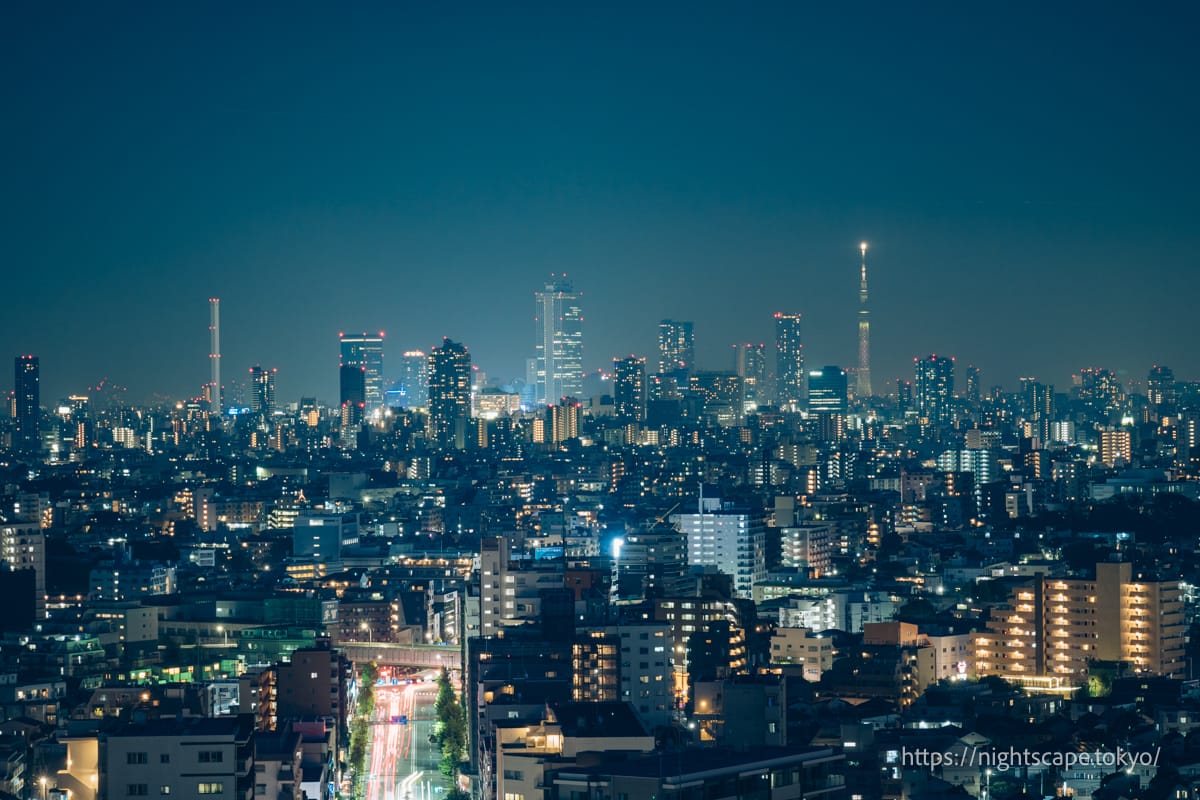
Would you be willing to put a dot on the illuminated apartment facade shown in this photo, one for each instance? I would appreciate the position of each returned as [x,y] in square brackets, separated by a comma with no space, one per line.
[1052,628]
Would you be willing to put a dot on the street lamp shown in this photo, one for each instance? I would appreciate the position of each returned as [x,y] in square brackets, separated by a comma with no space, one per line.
[42,781]
[363,626]
[987,782]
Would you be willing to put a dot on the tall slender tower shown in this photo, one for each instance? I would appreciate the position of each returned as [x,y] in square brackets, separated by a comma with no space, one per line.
[214,355]
[863,386]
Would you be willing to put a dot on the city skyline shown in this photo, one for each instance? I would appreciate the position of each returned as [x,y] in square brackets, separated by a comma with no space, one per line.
[1031,219]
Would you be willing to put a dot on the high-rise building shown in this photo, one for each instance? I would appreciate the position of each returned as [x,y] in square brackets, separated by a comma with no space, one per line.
[676,348]
[750,363]
[365,351]
[789,361]
[828,391]
[1039,632]
[559,343]
[730,539]
[934,388]
[1037,406]
[352,382]
[27,394]
[262,389]
[1116,447]
[449,394]
[23,547]
[863,386]
[629,388]
[414,379]
[904,395]
[1100,391]
[723,395]
[1160,389]
[974,383]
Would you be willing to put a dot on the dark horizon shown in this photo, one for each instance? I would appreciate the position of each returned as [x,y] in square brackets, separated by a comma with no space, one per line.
[1022,174]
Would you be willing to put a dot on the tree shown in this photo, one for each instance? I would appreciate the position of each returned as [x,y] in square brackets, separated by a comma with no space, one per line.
[451,730]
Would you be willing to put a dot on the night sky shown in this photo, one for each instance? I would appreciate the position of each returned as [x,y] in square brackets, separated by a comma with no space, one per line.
[1027,179]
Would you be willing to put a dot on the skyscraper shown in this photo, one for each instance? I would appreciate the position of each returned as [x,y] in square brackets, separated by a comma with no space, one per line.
[262,389]
[729,538]
[352,383]
[414,379]
[1160,389]
[365,351]
[750,363]
[27,392]
[629,388]
[449,394]
[559,343]
[676,348]
[827,390]
[789,360]
[934,388]
[974,384]
[863,386]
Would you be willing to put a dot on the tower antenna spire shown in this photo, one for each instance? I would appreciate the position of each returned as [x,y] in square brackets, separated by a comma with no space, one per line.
[863,386]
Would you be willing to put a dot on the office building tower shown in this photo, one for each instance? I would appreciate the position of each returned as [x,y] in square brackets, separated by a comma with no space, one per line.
[828,391]
[262,389]
[353,389]
[863,385]
[934,388]
[1160,389]
[27,405]
[732,540]
[629,388]
[789,361]
[750,363]
[559,343]
[414,379]
[449,394]
[365,351]
[676,348]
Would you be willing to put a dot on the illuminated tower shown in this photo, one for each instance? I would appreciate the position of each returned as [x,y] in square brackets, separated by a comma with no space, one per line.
[559,343]
[27,397]
[414,379]
[629,388]
[750,363]
[676,348]
[214,355]
[449,394]
[863,386]
[262,389]
[934,388]
[366,352]
[789,360]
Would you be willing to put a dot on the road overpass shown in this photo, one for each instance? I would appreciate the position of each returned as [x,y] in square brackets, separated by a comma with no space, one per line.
[387,654]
